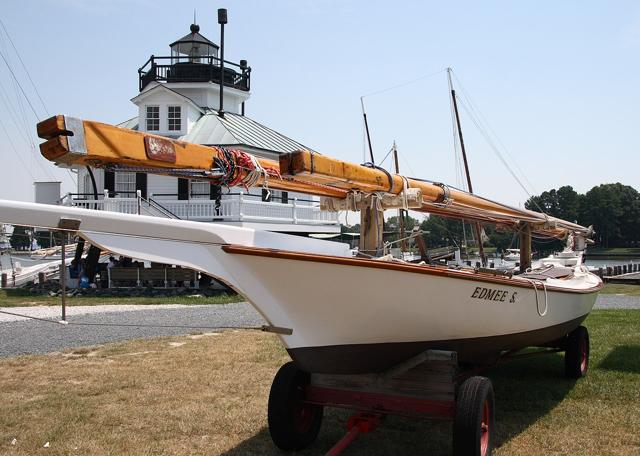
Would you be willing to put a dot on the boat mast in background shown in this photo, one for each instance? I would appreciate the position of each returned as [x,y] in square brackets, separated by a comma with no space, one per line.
[401,212]
[477,227]
[366,127]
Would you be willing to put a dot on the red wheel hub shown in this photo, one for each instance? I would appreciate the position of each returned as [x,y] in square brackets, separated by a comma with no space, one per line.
[484,429]
[583,355]
[303,413]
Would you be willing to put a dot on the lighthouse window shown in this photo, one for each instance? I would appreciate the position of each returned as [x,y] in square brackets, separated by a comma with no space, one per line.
[125,183]
[175,121]
[153,118]
[199,189]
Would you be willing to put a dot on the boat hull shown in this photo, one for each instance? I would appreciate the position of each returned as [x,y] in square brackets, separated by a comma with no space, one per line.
[377,357]
[355,316]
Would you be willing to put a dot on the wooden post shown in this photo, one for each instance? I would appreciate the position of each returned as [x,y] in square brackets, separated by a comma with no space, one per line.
[63,275]
[525,246]
[422,248]
[371,226]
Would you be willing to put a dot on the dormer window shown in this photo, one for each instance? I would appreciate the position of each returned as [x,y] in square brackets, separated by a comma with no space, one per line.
[153,118]
[175,118]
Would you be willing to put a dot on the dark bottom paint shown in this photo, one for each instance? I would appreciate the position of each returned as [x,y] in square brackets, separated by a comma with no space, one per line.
[366,358]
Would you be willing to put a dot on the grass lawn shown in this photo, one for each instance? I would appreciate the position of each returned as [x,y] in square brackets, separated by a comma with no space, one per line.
[621,288]
[18,297]
[207,394]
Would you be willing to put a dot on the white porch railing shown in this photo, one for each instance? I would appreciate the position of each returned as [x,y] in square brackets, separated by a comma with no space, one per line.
[237,209]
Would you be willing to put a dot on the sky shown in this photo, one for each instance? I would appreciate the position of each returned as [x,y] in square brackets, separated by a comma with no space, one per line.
[555,84]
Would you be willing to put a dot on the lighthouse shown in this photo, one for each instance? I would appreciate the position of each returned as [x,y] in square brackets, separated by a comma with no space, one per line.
[193,94]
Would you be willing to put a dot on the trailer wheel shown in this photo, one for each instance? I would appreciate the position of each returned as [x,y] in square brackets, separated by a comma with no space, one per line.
[293,424]
[576,356]
[473,425]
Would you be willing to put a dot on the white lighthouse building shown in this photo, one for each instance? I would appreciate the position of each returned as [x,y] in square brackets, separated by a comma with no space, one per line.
[179,97]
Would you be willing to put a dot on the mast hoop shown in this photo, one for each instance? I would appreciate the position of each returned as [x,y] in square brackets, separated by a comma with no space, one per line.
[443,200]
[387,173]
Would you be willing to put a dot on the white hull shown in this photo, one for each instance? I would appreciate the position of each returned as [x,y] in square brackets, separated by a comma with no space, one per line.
[337,306]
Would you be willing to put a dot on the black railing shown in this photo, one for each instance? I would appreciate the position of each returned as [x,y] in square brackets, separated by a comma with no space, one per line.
[285,200]
[160,208]
[190,69]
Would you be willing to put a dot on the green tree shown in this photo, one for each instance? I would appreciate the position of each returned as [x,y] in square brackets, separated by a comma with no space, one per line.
[614,211]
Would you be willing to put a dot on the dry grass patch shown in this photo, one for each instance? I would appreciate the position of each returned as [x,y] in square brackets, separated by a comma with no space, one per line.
[207,395]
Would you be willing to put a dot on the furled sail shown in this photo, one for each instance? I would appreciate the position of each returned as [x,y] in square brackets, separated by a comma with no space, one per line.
[73,141]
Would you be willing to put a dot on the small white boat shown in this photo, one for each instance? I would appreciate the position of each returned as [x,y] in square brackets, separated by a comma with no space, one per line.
[511,255]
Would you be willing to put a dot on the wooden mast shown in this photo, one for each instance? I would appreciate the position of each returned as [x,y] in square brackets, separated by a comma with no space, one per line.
[525,246]
[476,225]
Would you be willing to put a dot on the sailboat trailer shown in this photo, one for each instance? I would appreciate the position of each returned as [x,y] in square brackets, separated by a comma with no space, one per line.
[377,334]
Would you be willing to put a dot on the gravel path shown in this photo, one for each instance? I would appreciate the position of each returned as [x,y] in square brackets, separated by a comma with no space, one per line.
[616,301]
[19,336]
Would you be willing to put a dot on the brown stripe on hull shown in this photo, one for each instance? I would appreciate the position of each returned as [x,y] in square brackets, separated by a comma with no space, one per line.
[367,358]
[401,267]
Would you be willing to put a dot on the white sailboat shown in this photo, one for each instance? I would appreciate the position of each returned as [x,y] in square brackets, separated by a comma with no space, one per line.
[336,314]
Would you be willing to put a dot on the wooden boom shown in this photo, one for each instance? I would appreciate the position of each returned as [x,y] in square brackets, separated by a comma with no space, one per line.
[73,141]
[437,198]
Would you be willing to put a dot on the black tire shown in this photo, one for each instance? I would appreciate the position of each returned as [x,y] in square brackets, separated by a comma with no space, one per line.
[576,356]
[474,423]
[293,424]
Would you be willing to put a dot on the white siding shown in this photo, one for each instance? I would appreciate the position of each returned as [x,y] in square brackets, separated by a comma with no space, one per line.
[85,186]
[162,184]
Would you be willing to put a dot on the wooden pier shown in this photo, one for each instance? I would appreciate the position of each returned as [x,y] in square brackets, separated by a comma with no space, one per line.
[624,273]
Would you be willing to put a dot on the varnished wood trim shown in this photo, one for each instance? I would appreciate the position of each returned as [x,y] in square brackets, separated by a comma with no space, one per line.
[404,267]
